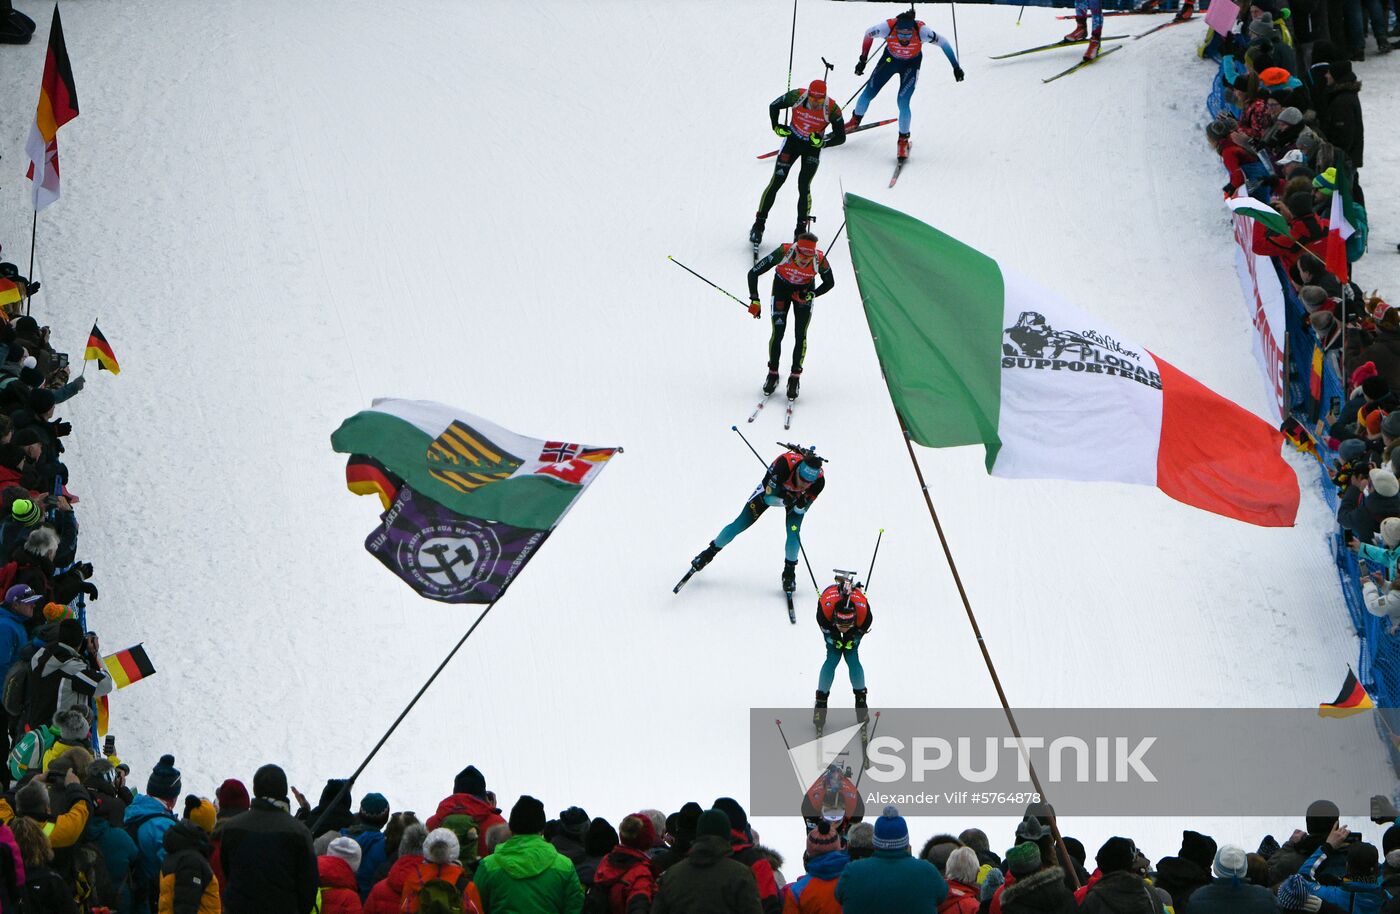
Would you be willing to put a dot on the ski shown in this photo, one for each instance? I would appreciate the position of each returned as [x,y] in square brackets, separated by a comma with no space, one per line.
[1158,28]
[792,611]
[1083,63]
[787,417]
[681,583]
[759,408]
[890,120]
[1055,44]
[898,167]
[1123,13]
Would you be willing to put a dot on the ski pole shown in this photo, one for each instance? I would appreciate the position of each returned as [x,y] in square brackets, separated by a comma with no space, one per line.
[792,44]
[867,82]
[786,745]
[871,573]
[863,755]
[1020,14]
[706,281]
[801,548]
[957,51]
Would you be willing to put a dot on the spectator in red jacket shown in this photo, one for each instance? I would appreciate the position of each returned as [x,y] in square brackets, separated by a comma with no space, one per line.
[469,798]
[387,894]
[627,875]
[742,844]
[963,891]
[337,867]
[1221,136]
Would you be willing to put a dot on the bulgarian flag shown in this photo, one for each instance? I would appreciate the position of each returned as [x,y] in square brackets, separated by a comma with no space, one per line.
[58,104]
[1338,228]
[973,353]
[1248,206]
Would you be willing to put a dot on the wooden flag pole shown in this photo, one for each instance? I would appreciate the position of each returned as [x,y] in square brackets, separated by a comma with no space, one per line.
[1066,861]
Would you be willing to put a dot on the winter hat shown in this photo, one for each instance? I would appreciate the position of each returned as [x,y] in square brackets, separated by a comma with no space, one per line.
[374,806]
[1327,181]
[1274,77]
[164,782]
[411,844]
[73,726]
[1293,117]
[41,401]
[1293,894]
[1230,863]
[738,819]
[1392,861]
[1384,483]
[1351,449]
[601,838]
[1390,425]
[22,593]
[1023,859]
[822,840]
[1375,387]
[713,822]
[24,437]
[270,783]
[686,821]
[1219,129]
[891,831]
[1390,840]
[637,832]
[232,796]
[470,781]
[1198,848]
[574,822]
[1117,854]
[1390,532]
[349,850]
[29,375]
[1313,297]
[1308,142]
[441,845]
[1321,816]
[25,512]
[1362,860]
[1375,417]
[526,816]
[32,800]
[1030,829]
[816,89]
[1342,72]
[201,812]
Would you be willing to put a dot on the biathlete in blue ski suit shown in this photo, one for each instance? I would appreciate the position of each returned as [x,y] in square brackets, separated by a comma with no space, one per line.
[904,38]
[844,617]
[792,482]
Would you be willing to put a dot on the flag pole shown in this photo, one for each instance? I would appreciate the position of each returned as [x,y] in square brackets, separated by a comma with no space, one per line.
[982,646]
[33,234]
[349,782]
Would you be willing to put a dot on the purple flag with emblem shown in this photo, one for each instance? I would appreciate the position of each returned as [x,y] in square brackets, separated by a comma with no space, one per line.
[448,556]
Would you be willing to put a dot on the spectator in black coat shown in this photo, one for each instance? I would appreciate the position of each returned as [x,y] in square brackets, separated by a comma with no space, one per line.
[1365,505]
[568,833]
[1343,125]
[1183,874]
[266,854]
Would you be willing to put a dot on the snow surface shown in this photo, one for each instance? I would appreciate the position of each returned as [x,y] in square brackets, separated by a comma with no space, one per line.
[281,210]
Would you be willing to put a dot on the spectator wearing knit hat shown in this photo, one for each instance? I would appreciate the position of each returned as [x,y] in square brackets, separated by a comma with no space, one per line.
[1229,892]
[1116,886]
[815,891]
[149,816]
[63,673]
[1367,502]
[187,882]
[1033,884]
[1189,869]
[469,797]
[742,845]
[1294,895]
[336,872]
[891,881]
[267,854]
[387,894]
[626,879]
[368,832]
[526,873]
[1360,889]
[708,880]
[568,833]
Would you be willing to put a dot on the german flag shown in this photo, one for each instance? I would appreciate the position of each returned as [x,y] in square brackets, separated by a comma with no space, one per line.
[103,716]
[58,104]
[100,350]
[9,292]
[1315,378]
[367,476]
[465,459]
[128,666]
[1352,699]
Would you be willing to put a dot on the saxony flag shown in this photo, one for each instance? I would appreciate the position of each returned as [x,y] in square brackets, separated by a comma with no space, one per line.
[100,350]
[973,353]
[58,104]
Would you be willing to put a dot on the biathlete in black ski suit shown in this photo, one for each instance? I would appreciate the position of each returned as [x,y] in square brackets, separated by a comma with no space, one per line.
[792,482]
[796,267]
[812,112]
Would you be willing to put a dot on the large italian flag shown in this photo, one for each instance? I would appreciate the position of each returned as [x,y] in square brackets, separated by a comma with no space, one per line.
[973,353]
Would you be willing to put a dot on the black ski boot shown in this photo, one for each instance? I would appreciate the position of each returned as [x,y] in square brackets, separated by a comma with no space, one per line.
[794,382]
[703,559]
[789,576]
[802,225]
[863,715]
[770,383]
[819,711]
[862,711]
[756,233]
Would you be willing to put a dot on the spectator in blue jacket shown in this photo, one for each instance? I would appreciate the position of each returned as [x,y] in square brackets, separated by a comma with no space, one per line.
[891,881]
[1360,890]
[151,815]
